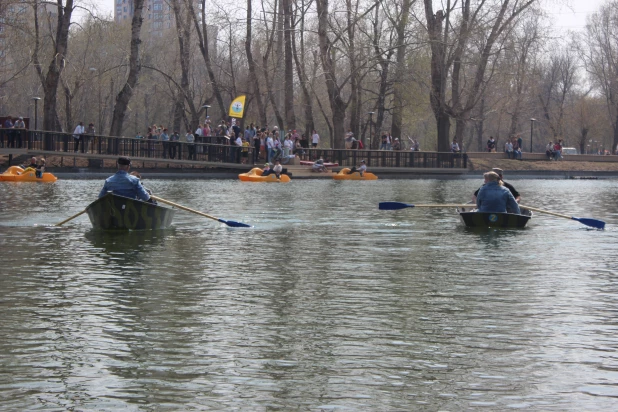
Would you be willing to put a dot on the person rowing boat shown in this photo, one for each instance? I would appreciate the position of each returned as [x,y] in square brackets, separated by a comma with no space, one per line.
[494,197]
[123,184]
[509,186]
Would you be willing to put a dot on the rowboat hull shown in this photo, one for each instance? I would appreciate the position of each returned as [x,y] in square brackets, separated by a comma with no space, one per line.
[255,175]
[344,175]
[472,218]
[113,212]
[18,174]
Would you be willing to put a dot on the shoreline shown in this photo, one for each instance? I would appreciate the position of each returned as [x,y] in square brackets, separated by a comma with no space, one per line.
[509,174]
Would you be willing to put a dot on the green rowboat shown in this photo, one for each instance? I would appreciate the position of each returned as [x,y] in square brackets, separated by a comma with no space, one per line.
[113,212]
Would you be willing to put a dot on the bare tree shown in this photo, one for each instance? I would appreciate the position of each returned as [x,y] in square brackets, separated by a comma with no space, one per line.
[267,56]
[450,35]
[51,79]
[338,105]
[558,78]
[253,77]
[202,31]
[400,21]
[299,60]
[125,94]
[288,33]
[601,58]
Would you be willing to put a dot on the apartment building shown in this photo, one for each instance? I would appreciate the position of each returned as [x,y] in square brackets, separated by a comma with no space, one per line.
[158,18]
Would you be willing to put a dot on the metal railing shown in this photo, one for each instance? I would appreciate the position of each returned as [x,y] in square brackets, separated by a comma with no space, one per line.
[210,149]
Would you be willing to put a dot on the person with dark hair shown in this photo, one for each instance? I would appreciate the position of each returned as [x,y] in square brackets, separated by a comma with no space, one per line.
[10,135]
[491,145]
[190,138]
[40,168]
[78,135]
[173,144]
[123,184]
[361,169]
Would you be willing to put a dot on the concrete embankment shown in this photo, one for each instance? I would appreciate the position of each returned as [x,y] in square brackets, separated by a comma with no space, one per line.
[71,168]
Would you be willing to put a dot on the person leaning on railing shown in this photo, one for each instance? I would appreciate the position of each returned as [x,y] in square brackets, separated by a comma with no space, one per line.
[190,138]
[9,132]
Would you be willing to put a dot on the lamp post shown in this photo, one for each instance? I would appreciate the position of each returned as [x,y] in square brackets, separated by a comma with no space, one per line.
[206,107]
[532,120]
[36,112]
[368,144]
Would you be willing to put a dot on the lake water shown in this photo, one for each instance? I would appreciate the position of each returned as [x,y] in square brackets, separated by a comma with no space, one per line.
[327,303]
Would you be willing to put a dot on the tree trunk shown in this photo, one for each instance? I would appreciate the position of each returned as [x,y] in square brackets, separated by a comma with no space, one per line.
[438,75]
[253,78]
[398,91]
[183,32]
[265,59]
[288,82]
[67,108]
[354,77]
[615,134]
[202,31]
[51,80]
[337,105]
[302,76]
[123,98]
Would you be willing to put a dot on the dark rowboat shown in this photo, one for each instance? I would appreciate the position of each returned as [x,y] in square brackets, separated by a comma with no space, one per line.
[473,218]
[113,212]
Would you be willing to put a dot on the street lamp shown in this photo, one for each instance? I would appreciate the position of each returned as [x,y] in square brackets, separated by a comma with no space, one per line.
[206,107]
[368,144]
[532,120]
[36,112]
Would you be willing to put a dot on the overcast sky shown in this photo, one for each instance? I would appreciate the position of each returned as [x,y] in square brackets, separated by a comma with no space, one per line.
[567,14]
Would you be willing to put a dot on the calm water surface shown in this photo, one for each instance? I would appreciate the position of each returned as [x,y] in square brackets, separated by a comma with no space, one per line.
[326,304]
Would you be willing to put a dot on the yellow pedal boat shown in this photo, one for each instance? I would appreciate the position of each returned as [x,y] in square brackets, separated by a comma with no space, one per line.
[18,174]
[345,175]
[255,175]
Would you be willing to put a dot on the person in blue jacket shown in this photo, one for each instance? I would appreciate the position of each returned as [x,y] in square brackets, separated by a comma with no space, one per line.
[494,197]
[123,184]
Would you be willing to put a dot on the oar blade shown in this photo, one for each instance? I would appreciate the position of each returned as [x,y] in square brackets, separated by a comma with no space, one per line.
[595,223]
[393,205]
[232,223]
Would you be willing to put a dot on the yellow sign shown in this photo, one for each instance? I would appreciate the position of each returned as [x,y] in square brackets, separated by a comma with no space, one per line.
[237,107]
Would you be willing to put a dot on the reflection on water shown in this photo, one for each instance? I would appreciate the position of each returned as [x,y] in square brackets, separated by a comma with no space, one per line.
[327,303]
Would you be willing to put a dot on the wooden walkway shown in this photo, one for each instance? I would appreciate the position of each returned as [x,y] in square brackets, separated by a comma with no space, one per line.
[298,171]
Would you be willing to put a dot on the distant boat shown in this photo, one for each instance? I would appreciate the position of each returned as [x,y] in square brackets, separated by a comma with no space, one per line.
[114,212]
[18,174]
[255,175]
[345,175]
[309,163]
[473,218]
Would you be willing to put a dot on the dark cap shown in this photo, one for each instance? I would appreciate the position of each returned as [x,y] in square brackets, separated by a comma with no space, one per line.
[125,161]
[497,170]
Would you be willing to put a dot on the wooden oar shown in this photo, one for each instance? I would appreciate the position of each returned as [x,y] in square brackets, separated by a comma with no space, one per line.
[595,223]
[227,222]
[71,218]
[400,205]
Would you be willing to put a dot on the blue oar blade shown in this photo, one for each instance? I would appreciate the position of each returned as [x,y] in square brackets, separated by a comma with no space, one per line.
[233,223]
[595,223]
[393,205]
